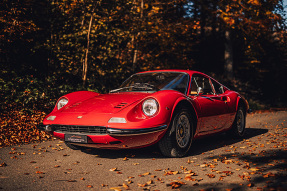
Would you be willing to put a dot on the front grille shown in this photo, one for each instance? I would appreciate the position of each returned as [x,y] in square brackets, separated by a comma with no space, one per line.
[80,129]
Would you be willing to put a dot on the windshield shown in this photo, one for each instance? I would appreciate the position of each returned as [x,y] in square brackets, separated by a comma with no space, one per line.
[152,82]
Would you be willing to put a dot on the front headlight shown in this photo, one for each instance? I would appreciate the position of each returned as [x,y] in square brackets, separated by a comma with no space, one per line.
[150,107]
[61,103]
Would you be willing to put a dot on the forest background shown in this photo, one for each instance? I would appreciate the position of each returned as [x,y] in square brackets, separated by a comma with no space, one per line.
[52,47]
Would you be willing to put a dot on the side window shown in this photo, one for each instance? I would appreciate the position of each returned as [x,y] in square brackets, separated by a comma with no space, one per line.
[194,86]
[218,87]
[200,82]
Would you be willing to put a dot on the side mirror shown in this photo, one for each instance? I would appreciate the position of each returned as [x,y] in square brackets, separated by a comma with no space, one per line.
[199,90]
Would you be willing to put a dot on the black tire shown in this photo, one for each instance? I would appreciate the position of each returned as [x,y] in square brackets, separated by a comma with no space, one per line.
[74,147]
[178,138]
[238,126]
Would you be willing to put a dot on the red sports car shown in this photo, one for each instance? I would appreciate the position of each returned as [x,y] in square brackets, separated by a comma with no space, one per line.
[168,107]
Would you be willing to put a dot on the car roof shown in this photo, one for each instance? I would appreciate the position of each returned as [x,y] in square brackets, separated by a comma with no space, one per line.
[190,72]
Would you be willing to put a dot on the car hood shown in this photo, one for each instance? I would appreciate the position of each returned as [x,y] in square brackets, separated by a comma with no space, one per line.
[105,103]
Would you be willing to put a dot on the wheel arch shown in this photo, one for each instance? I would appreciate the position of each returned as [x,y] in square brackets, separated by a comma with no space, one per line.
[183,103]
[242,102]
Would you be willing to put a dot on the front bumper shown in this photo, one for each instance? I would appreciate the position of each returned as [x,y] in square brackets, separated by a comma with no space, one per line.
[110,131]
[127,132]
[114,138]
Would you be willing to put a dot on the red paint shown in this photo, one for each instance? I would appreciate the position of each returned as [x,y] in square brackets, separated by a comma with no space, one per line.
[214,113]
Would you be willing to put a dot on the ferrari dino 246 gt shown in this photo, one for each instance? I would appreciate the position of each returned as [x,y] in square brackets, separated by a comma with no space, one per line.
[167,107]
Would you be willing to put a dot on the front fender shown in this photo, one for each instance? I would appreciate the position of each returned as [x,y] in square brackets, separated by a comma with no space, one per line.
[76,97]
[170,100]
[167,99]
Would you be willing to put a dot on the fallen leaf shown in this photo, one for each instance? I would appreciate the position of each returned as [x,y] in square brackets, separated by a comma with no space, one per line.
[228,161]
[171,172]
[126,186]
[89,186]
[176,184]
[228,173]
[190,161]
[142,185]
[3,164]
[211,175]
[116,188]
[270,174]
[150,182]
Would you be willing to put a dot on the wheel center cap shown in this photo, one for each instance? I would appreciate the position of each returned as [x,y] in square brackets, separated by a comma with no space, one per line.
[181,131]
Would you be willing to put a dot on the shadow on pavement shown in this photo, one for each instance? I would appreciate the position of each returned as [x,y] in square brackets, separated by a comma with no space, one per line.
[198,147]
[221,140]
[271,165]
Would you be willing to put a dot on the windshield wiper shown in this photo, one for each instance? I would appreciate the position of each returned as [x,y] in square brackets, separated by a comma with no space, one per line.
[115,90]
[146,86]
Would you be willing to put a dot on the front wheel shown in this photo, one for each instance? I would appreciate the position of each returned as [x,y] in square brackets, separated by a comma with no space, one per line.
[178,138]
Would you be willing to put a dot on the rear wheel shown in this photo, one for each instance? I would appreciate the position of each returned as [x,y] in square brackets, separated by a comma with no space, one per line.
[238,127]
[178,138]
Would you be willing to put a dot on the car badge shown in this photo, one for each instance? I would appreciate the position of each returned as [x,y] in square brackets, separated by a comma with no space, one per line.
[80,117]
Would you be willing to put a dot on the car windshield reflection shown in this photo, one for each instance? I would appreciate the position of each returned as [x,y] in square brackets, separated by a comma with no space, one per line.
[155,81]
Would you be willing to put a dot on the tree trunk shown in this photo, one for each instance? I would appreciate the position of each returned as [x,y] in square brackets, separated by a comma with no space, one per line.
[228,56]
[136,43]
[85,64]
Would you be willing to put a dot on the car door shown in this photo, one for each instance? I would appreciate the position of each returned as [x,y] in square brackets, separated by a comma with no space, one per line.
[225,97]
[211,107]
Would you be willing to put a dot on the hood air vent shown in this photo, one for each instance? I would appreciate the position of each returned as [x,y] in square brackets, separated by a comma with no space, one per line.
[121,105]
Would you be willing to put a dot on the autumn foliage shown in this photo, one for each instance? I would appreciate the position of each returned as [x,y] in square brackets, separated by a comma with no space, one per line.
[49,48]
[20,127]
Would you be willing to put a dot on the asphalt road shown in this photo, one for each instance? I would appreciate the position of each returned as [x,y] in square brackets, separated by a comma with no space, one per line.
[259,162]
